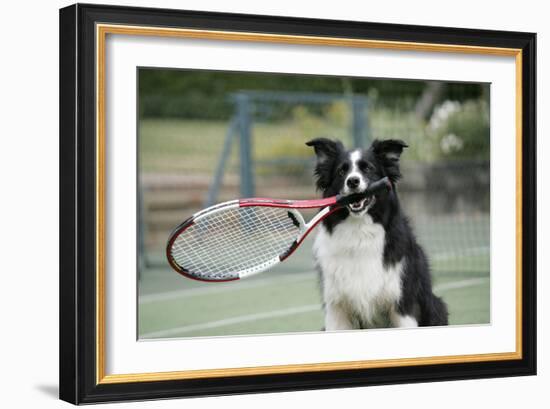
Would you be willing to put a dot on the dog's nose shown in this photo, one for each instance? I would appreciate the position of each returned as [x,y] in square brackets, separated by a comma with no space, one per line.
[352,182]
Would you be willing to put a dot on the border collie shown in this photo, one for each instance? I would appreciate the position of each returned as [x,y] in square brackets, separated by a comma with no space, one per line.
[373,272]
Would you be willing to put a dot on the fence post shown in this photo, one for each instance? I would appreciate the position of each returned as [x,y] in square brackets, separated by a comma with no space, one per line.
[359,126]
[245,145]
[215,186]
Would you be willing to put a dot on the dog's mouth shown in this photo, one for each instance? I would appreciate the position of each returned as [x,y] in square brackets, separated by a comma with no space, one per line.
[360,205]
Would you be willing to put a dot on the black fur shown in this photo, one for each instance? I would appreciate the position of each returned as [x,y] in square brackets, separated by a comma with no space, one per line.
[379,160]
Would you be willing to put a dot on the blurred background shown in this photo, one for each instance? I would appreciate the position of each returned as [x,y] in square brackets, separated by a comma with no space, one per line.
[206,137]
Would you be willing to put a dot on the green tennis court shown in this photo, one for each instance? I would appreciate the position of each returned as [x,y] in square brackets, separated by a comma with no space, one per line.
[287,299]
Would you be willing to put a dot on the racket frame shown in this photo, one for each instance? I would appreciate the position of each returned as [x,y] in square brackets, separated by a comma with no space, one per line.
[291,205]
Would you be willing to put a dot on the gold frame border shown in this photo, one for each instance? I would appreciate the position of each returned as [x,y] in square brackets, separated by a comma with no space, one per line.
[102,30]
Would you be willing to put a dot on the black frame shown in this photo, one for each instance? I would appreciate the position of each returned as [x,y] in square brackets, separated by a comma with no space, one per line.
[77,204]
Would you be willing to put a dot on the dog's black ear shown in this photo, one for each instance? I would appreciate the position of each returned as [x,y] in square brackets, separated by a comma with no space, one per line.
[327,152]
[389,152]
[325,148]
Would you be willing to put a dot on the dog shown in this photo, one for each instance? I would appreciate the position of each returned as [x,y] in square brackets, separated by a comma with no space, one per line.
[373,272]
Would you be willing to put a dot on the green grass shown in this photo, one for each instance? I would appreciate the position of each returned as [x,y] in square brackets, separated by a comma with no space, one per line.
[164,142]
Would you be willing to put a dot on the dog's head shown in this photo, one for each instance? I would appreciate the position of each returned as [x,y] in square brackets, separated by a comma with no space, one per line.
[341,171]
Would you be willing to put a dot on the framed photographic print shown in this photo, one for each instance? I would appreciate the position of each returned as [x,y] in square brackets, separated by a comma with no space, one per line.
[258,203]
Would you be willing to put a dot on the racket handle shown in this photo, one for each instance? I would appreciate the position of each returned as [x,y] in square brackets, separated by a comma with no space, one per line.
[383,184]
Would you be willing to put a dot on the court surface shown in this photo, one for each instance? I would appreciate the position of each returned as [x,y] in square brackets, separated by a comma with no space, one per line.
[287,298]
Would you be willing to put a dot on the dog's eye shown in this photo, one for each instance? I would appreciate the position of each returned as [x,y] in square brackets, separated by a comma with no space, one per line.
[364,166]
[343,170]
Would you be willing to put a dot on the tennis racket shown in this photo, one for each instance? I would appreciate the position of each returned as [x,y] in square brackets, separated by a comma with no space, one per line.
[243,237]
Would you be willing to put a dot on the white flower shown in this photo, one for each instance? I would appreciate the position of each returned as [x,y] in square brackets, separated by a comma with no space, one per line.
[451,143]
[442,113]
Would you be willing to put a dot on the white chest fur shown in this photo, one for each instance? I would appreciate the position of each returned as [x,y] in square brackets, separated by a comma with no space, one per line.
[354,276]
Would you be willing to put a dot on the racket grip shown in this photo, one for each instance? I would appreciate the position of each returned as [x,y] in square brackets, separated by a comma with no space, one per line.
[382,185]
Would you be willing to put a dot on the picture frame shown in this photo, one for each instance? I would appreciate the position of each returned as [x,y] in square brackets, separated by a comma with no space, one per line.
[83,218]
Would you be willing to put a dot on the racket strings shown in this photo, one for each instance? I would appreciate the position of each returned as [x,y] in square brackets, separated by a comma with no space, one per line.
[234,240]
